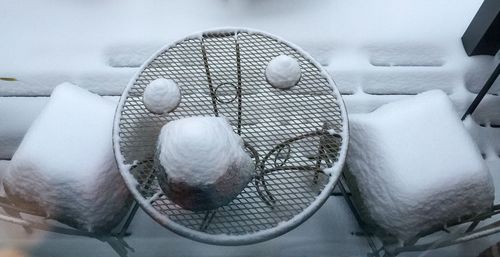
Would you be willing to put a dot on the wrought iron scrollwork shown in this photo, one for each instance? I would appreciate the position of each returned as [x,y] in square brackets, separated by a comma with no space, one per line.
[282,153]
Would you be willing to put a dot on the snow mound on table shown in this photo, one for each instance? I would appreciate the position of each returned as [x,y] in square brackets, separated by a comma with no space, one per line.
[283,72]
[204,161]
[64,167]
[161,95]
[415,166]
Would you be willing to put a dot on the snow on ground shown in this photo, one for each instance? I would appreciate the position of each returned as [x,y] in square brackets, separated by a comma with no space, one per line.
[327,232]
[376,51]
[16,115]
[332,231]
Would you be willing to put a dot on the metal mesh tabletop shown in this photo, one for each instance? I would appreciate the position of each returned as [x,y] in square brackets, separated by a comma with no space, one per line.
[292,135]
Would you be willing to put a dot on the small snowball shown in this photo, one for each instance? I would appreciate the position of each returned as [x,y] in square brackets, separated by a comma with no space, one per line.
[283,72]
[202,162]
[161,96]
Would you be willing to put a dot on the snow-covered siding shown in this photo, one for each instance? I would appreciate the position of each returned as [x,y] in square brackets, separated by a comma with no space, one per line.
[17,113]
[376,51]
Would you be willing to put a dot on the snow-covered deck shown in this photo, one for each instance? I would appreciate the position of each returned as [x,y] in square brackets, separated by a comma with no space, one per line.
[376,51]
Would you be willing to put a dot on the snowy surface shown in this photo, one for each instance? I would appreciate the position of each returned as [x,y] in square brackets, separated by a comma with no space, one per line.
[414,157]
[65,166]
[16,115]
[376,51]
[487,138]
[411,45]
[205,162]
[161,96]
[283,72]
[330,231]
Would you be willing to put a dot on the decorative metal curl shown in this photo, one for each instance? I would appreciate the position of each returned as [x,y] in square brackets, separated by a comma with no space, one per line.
[218,94]
[323,155]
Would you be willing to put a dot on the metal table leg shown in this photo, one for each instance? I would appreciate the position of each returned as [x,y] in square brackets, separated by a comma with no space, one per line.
[483,92]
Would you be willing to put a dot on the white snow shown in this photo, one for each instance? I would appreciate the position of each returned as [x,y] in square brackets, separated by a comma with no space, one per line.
[283,72]
[16,116]
[416,166]
[353,50]
[203,154]
[487,138]
[65,165]
[478,72]
[379,51]
[161,96]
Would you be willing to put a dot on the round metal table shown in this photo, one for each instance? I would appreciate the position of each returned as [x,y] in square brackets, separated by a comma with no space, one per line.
[297,137]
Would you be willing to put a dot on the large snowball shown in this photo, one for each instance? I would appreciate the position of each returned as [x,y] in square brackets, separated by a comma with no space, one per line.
[416,166]
[203,164]
[161,96]
[283,72]
[65,167]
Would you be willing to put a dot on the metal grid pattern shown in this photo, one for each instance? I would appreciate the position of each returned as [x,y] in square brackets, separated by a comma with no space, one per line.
[287,132]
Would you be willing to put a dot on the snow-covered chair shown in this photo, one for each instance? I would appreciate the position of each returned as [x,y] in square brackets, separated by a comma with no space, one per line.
[414,170]
[64,174]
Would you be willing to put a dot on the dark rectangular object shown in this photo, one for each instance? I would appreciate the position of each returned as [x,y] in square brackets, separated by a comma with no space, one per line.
[483,34]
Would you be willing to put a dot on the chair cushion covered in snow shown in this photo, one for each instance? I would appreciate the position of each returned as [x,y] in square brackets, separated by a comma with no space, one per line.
[65,167]
[415,166]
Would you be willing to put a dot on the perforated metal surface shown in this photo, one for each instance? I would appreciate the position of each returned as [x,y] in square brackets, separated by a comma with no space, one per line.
[289,133]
